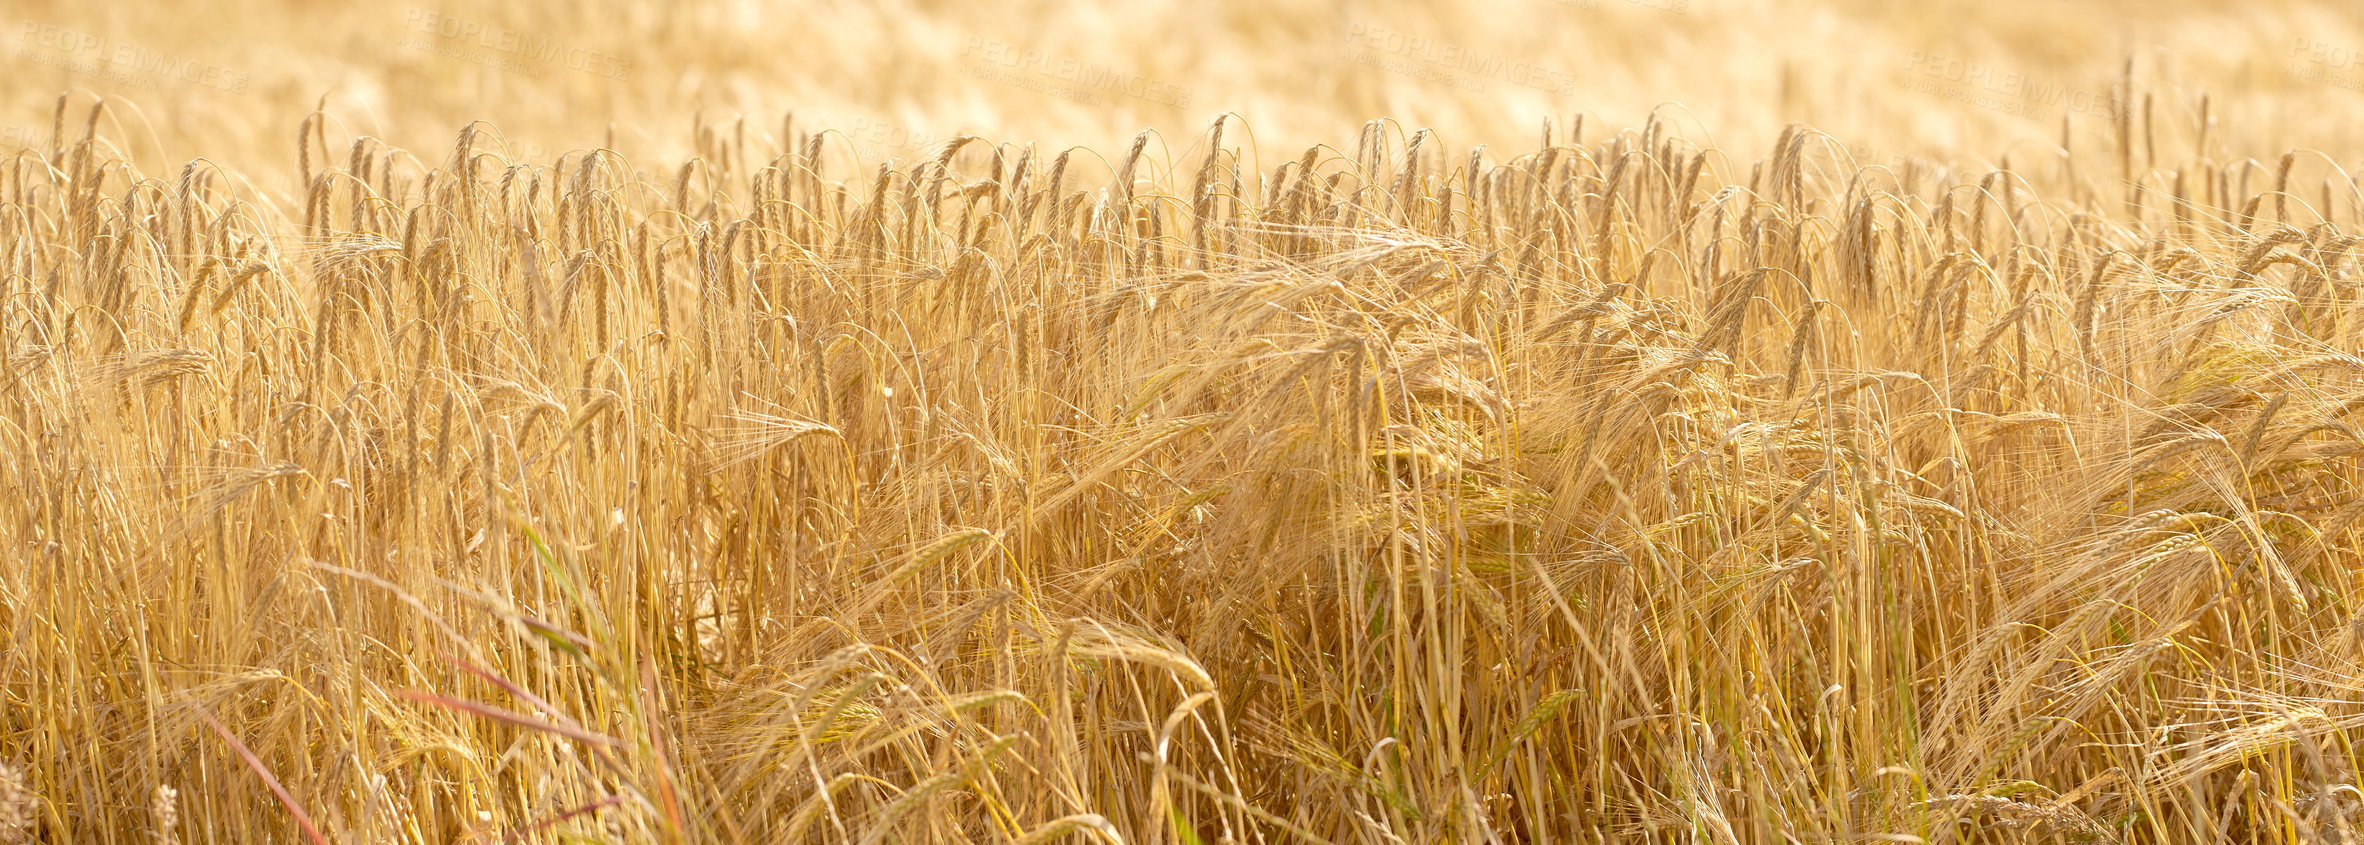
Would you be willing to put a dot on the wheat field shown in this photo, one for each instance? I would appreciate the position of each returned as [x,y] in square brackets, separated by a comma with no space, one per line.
[442,425]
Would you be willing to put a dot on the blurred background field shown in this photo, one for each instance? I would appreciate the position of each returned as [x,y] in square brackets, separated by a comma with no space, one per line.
[1944,78]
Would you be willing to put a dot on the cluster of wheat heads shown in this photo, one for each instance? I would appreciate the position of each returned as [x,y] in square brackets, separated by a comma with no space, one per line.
[1608,490]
